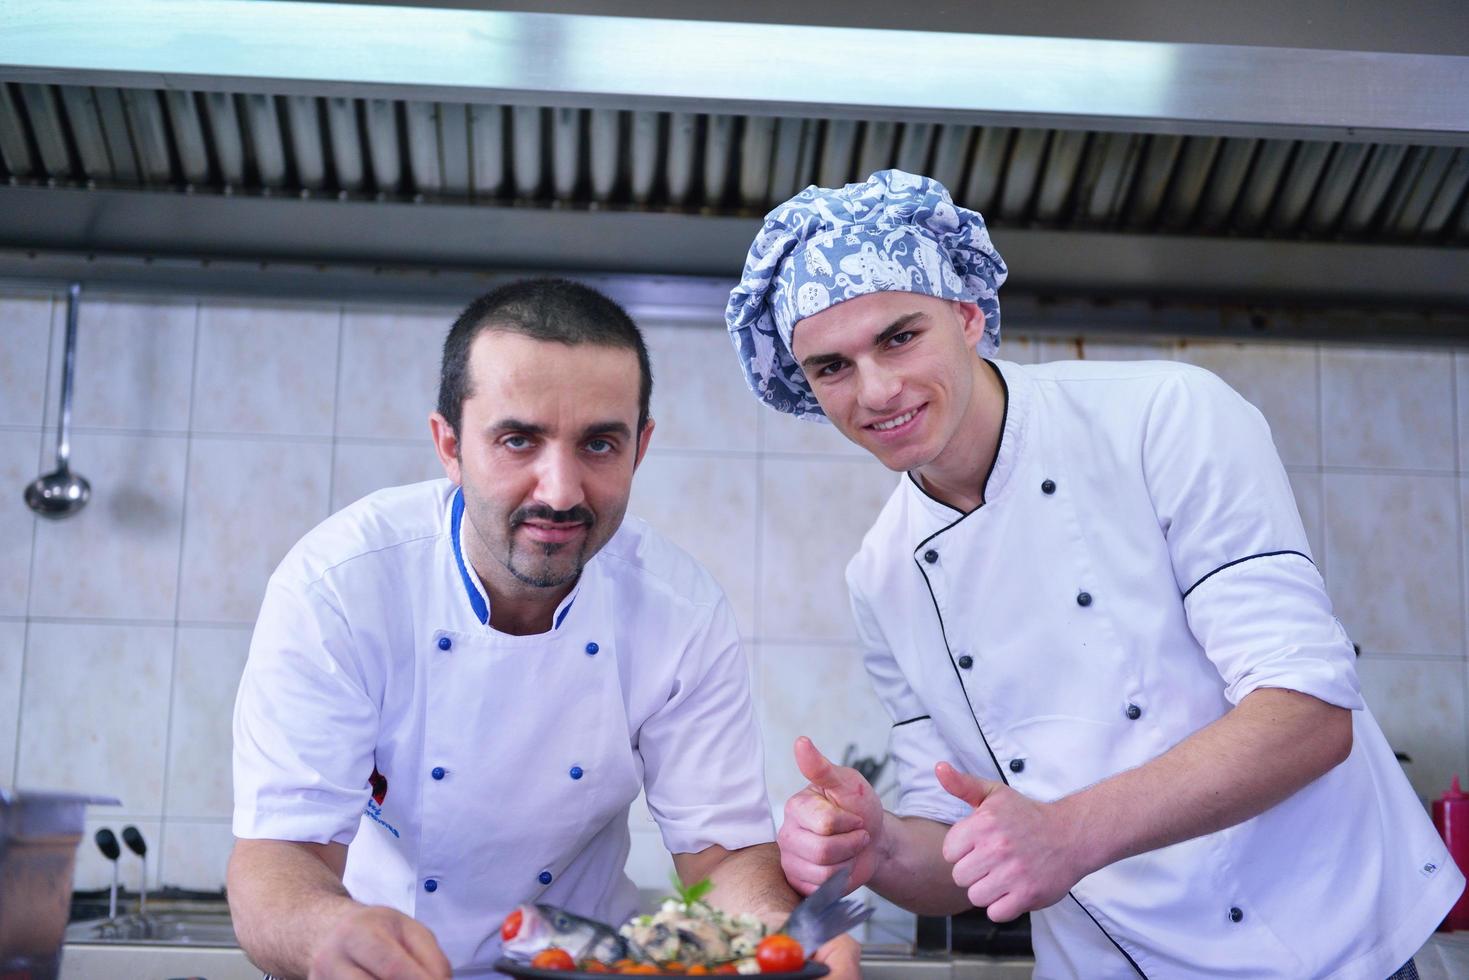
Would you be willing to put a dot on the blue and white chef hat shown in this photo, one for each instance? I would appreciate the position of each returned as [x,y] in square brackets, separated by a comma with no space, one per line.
[893,231]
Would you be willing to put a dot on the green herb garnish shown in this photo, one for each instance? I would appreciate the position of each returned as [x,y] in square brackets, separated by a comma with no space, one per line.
[689,894]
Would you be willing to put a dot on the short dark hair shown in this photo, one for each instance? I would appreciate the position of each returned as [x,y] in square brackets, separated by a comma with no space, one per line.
[555,310]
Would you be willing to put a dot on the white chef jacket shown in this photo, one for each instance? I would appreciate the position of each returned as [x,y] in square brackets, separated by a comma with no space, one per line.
[1138,567]
[471,770]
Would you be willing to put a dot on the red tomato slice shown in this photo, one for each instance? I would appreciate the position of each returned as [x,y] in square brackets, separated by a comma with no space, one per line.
[779,954]
[511,927]
[553,959]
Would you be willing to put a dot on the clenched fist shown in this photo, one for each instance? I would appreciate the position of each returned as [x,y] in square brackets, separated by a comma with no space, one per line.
[833,823]
[1012,854]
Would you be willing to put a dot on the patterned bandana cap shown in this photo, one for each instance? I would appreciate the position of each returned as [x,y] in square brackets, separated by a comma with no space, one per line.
[894,231]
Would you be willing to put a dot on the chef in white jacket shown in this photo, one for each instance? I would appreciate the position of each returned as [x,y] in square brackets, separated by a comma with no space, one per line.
[456,689]
[1120,700]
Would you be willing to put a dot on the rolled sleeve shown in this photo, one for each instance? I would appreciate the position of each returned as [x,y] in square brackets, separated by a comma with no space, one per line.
[915,744]
[703,766]
[1252,594]
[305,725]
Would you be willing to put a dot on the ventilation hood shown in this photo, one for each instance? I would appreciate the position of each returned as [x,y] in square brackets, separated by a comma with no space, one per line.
[426,150]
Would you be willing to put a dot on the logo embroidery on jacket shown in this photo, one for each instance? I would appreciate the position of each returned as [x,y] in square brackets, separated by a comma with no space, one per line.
[374,808]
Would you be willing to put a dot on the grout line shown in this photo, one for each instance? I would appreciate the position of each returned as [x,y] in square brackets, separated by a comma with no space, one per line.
[25,640]
[178,597]
[331,476]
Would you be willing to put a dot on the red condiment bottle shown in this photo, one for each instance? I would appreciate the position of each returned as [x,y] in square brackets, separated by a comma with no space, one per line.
[1451,817]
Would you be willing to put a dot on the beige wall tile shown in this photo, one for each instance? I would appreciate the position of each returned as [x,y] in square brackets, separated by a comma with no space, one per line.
[781,433]
[1102,348]
[1393,553]
[1420,705]
[649,864]
[706,505]
[118,557]
[266,370]
[821,692]
[359,469]
[1387,408]
[813,515]
[1281,380]
[249,502]
[94,712]
[207,668]
[12,654]
[1307,487]
[1461,385]
[95,871]
[195,854]
[700,399]
[134,364]
[25,343]
[19,456]
[1020,348]
[390,372]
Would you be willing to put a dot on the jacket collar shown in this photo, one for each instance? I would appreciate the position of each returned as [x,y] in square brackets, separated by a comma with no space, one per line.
[1018,393]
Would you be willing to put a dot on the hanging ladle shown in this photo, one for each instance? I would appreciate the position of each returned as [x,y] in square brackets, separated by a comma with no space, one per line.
[62,493]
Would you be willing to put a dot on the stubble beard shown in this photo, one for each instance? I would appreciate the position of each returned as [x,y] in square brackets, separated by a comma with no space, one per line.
[546,576]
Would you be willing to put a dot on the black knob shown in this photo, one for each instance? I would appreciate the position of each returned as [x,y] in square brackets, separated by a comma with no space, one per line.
[966,661]
[134,840]
[1083,598]
[107,844]
[1048,486]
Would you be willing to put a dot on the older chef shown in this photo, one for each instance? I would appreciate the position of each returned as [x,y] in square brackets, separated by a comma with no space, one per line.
[1119,697]
[456,689]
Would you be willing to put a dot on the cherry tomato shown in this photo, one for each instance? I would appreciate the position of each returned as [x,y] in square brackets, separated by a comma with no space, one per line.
[779,954]
[698,970]
[640,968]
[726,968]
[511,926]
[553,959]
[595,966]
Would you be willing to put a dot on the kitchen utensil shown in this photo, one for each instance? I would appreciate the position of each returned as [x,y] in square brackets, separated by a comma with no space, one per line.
[133,838]
[61,492]
[39,833]
[107,844]
[1451,817]
[511,968]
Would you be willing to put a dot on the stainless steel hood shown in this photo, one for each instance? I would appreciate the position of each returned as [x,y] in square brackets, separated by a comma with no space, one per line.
[349,147]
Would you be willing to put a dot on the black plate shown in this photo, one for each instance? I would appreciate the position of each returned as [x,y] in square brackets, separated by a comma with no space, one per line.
[511,968]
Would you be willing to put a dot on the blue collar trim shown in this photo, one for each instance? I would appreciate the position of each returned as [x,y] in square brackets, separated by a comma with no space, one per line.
[476,598]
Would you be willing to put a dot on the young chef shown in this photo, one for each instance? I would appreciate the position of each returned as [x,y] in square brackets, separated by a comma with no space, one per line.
[470,680]
[1120,700]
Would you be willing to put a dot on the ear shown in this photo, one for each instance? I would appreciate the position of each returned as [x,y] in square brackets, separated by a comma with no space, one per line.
[446,444]
[644,437]
[971,319]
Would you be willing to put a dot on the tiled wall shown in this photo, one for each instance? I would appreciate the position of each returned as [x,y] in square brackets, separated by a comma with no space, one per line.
[215,434]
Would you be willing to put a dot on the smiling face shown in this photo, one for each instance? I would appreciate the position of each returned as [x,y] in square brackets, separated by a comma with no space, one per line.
[895,372]
[545,452]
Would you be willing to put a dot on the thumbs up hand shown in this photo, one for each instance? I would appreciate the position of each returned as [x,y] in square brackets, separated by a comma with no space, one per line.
[1012,854]
[833,823]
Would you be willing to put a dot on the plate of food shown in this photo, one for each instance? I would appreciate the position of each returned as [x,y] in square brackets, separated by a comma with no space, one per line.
[685,937]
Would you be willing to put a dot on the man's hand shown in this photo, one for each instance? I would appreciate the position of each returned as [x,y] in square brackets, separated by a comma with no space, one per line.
[844,956]
[835,822]
[373,941]
[1012,854]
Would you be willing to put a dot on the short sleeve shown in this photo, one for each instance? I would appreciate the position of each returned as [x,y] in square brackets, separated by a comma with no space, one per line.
[703,768]
[305,726]
[915,744]
[1252,594]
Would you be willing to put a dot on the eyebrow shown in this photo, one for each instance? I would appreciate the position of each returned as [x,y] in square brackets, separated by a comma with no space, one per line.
[896,327]
[613,427]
